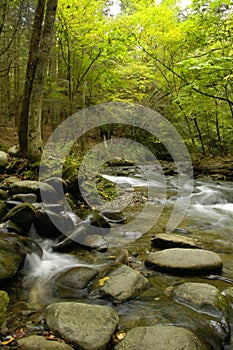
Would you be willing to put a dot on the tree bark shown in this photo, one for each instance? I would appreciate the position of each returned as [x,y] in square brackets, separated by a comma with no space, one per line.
[30,74]
[36,101]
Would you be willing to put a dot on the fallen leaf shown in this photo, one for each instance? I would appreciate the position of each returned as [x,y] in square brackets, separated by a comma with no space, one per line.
[7,341]
[102,281]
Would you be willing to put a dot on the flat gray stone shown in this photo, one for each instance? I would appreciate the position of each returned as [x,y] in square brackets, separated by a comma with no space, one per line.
[37,342]
[201,297]
[162,338]
[89,327]
[185,260]
[165,240]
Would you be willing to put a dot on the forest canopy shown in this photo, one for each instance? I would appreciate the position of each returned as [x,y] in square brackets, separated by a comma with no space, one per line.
[175,60]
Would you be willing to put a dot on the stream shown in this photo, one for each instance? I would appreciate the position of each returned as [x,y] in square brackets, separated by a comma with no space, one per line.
[209,217]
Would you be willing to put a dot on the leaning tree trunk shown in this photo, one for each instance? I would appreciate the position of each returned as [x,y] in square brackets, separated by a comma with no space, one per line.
[36,100]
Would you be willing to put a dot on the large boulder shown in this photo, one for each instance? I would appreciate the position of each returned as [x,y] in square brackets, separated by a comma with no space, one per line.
[50,224]
[162,338]
[183,261]
[89,327]
[22,215]
[120,283]
[37,342]
[11,256]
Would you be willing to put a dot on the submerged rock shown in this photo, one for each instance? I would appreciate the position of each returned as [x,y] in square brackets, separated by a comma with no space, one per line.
[185,261]
[202,297]
[89,327]
[162,338]
[120,283]
[38,342]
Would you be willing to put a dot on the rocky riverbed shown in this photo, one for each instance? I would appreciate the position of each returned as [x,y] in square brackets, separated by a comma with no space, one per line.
[99,300]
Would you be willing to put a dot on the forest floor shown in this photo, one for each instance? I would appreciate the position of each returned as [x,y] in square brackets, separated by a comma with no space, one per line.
[217,168]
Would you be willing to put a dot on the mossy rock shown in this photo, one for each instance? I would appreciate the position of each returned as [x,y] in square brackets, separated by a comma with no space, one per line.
[4,300]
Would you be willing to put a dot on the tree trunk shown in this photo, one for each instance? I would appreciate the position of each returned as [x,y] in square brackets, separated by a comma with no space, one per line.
[30,74]
[36,101]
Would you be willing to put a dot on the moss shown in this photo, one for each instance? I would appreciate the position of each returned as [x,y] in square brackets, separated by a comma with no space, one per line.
[4,301]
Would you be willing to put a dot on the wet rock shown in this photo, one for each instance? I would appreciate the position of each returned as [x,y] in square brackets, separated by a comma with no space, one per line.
[3,159]
[10,227]
[4,300]
[185,261]
[162,338]
[51,225]
[24,197]
[114,216]
[22,215]
[202,297]
[164,240]
[73,240]
[120,283]
[37,342]
[35,187]
[3,209]
[30,246]
[80,238]
[73,282]
[122,257]
[11,256]
[97,224]
[89,327]
[96,242]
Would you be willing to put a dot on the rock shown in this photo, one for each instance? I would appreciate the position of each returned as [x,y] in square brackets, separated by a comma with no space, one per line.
[89,327]
[185,261]
[3,194]
[51,225]
[3,209]
[4,300]
[201,297]
[12,151]
[11,256]
[22,215]
[120,283]
[10,227]
[59,185]
[24,197]
[122,257]
[164,240]
[73,282]
[35,187]
[79,238]
[96,242]
[162,338]
[37,342]
[114,216]
[3,159]
[97,224]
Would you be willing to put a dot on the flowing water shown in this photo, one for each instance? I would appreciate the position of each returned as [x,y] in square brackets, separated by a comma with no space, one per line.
[209,216]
